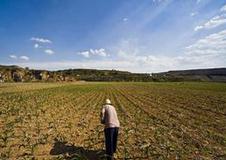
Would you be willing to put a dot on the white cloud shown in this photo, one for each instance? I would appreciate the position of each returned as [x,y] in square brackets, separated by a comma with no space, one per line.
[223,9]
[40,40]
[96,64]
[209,51]
[13,56]
[198,1]
[86,54]
[213,44]
[24,58]
[213,22]
[49,51]
[94,52]
[198,28]
[99,52]
[206,52]
[193,14]
[21,57]
[143,63]
[156,1]
[36,45]
[125,19]
[149,63]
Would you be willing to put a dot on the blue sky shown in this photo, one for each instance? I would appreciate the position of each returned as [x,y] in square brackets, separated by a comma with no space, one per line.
[133,35]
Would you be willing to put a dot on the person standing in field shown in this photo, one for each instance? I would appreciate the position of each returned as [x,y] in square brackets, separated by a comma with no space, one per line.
[110,119]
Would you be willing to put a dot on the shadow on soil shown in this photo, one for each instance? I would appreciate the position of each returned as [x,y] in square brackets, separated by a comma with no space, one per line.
[68,151]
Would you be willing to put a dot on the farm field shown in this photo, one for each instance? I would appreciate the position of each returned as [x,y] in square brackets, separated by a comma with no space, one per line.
[181,120]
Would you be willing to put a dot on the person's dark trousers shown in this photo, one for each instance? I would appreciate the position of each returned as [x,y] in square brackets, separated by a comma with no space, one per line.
[111,135]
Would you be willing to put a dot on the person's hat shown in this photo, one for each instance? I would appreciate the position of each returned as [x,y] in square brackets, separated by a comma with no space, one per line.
[108,101]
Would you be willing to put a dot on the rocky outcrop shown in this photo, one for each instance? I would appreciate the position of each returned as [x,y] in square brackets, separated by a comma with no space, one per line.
[18,74]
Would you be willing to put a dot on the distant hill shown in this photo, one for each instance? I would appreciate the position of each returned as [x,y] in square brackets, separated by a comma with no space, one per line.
[18,74]
[213,74]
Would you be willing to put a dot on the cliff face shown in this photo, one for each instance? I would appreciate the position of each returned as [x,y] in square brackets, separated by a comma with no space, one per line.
[18,74]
